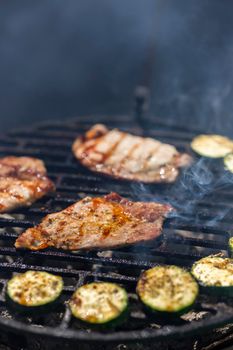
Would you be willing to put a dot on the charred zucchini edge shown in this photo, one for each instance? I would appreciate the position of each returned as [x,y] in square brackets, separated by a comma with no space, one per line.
[108,301]
[230,247]
[21,285]
[164,283]
[212,281]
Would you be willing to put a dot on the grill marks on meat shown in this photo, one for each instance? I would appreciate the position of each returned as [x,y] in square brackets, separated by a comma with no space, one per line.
[101,222]
[23,180]
[122,155]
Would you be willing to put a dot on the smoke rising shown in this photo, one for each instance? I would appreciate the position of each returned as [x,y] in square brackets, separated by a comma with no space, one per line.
[194,75]
[202,179]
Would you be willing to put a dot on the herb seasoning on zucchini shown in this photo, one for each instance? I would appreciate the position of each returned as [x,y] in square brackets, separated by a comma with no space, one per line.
[33,290]
[167,290]
[212,146]
[215,274]
[100,303]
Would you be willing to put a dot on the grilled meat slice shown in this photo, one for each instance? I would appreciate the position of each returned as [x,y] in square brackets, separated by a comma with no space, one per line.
[23,180]
[122,155]
[103,222]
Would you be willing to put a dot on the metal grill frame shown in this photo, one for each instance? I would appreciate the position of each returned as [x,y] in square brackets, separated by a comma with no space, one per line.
[64,168]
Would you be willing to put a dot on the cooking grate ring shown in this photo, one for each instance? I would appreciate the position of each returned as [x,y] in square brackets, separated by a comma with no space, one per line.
[184,239]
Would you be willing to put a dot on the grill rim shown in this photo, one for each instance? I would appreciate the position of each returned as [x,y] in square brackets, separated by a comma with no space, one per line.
[129,336]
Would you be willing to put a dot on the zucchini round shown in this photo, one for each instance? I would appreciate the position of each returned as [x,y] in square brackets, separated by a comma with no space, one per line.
[99,303]
[214,274]
[228,162]
[167,290]
[212,146]
[33,290]
[230,247]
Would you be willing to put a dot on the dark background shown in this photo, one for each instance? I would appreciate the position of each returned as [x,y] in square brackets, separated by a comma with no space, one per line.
[63,58]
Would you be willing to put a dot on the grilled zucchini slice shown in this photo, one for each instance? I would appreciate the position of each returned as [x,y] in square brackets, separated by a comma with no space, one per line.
[230,247]
[212,146]
[33,290]
[214,274]
[100,303]
[228,162]
[167,290]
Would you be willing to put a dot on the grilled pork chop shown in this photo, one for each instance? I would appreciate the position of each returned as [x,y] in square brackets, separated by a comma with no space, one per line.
[102,222]
[122,155]
[23,180]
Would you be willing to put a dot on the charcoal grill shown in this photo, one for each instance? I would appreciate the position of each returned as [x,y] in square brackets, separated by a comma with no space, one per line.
[184,239]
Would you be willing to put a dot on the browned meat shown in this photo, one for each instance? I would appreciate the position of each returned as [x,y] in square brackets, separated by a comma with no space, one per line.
[23,180]
[103,222]
[122,155]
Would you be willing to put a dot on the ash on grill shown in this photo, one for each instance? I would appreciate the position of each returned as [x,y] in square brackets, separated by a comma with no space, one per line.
[183,241]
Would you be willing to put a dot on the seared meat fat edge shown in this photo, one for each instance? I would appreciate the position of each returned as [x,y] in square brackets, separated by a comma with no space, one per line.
[125,156]
[23,180]
[100,222]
